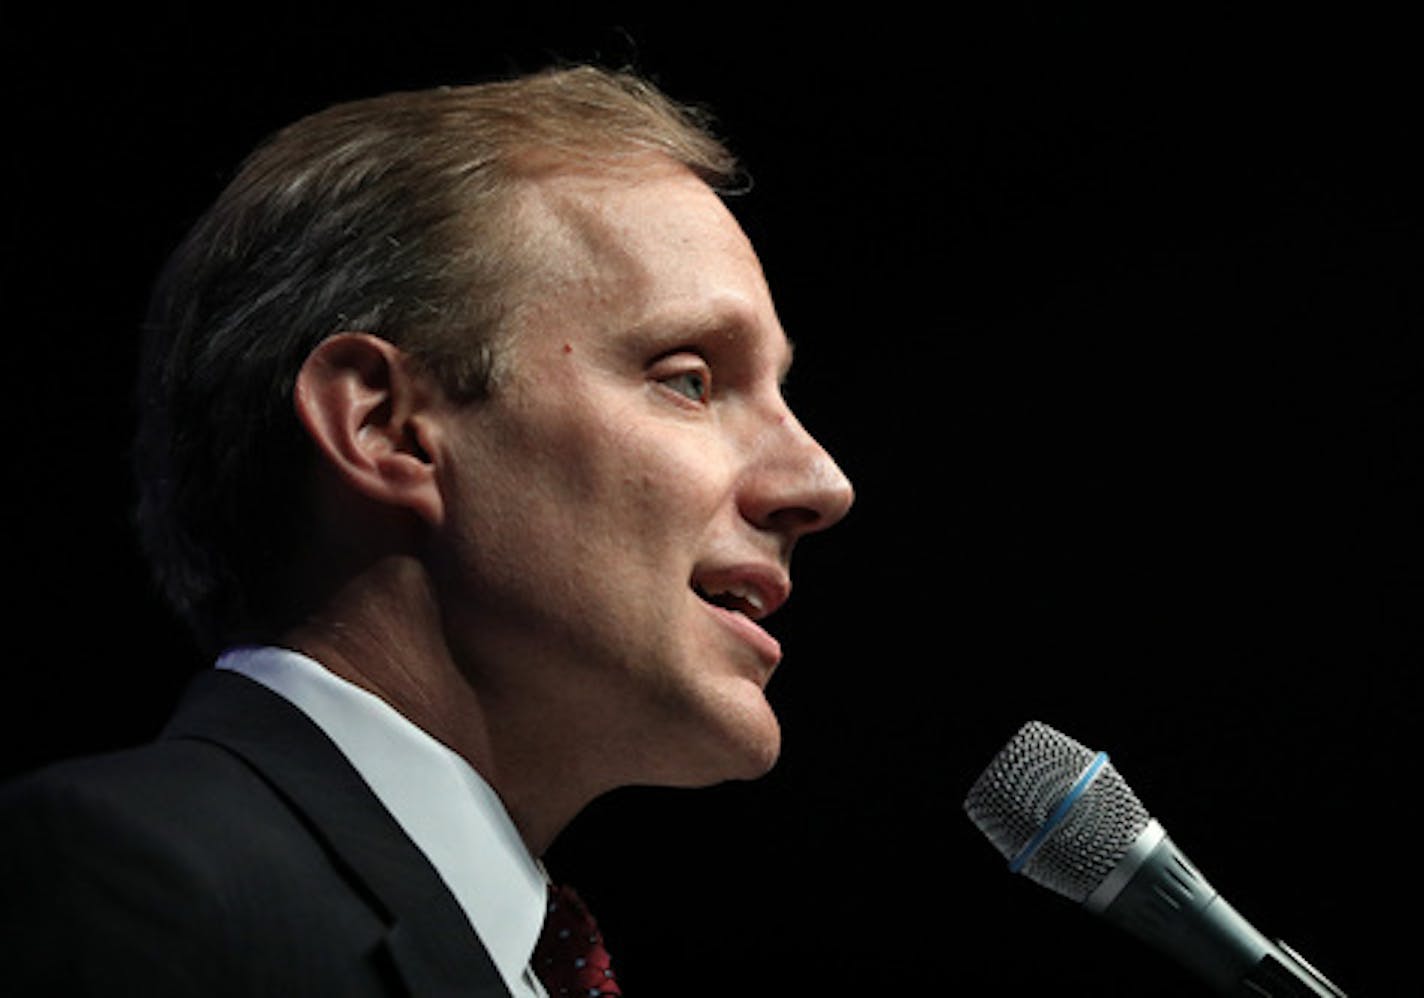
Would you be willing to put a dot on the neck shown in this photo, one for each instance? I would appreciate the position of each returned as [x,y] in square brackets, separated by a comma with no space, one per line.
[383,631]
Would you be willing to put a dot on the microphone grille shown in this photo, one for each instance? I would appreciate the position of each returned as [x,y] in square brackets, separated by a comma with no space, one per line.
[1024,784]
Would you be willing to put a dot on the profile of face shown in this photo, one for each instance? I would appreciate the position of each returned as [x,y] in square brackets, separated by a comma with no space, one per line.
[621,511]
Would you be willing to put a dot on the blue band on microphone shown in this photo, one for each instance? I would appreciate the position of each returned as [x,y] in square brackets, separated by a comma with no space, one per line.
[1059,813]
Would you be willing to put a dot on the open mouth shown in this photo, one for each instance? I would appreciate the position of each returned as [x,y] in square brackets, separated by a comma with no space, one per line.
[739,598]
[740,602]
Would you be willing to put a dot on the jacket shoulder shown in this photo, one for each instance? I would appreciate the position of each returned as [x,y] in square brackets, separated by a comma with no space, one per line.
[173,868]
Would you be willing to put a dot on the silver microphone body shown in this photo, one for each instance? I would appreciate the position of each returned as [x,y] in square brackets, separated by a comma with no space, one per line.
[1065,818]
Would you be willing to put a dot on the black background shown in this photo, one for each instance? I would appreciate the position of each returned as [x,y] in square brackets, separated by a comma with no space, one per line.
[1113,318]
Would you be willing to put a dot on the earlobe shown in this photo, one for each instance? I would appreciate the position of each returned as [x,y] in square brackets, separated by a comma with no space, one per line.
[366,410]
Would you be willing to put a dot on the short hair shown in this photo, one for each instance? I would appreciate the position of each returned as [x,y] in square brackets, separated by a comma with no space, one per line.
[389,216]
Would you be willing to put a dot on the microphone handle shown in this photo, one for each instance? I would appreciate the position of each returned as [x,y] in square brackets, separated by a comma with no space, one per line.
[1157,895]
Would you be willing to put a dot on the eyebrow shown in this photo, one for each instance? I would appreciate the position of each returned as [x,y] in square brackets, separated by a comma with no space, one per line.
[711,323]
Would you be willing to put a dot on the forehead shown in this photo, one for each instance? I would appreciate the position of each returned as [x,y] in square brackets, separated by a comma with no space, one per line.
[645,244]
[641,196]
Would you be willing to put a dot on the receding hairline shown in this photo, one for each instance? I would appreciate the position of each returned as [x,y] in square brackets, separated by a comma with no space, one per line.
[566,223]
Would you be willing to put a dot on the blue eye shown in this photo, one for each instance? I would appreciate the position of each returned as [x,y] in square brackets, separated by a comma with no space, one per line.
[690,384]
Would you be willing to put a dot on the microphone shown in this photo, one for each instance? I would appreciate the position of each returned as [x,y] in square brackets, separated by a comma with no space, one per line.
[1063,817]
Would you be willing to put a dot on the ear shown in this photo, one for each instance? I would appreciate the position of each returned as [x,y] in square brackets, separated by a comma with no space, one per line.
[369,414]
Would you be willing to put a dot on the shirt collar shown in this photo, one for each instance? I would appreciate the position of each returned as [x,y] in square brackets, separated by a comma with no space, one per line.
[446,808]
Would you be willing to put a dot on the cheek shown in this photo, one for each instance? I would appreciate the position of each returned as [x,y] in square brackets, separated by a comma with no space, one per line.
[669,484]
[619,465]
[604,481]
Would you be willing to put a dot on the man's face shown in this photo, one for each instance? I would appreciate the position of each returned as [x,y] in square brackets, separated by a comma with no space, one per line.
[622,509]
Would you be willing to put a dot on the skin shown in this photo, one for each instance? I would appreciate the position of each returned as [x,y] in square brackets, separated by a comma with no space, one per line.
[530,577]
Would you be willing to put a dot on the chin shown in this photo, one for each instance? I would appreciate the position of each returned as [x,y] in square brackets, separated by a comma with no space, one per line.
[743,745]
[746,767]
[761,762]
[705,731]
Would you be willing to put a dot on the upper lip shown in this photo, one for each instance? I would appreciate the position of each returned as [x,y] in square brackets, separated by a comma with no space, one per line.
[759,589]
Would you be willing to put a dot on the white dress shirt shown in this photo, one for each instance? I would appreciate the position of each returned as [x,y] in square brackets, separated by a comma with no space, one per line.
[446,808]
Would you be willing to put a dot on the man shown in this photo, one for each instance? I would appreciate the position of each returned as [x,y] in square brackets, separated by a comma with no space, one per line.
[463,448]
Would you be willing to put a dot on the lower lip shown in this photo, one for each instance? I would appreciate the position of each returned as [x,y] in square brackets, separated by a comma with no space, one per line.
[749,631]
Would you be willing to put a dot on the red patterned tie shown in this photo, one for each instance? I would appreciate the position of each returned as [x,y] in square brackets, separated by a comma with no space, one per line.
[570,958]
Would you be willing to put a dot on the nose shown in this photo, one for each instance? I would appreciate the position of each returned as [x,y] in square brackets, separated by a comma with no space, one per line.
[794,487]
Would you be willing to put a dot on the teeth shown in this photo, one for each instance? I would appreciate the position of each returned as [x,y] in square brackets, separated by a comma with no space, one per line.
[747,595]
[752,597]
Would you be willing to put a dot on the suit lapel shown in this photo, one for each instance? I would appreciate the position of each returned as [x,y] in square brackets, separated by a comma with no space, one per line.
[429,939]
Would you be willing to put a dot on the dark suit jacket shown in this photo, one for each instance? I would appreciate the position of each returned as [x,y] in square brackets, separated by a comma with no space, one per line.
[240,854]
